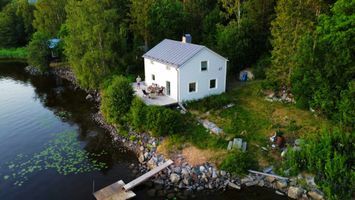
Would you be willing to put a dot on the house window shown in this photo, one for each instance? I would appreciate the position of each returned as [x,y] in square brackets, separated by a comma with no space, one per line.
[153,77]
[213,83]
[204,65]
[192,87]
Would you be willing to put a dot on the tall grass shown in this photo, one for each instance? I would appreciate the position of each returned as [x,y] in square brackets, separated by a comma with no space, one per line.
[13,53]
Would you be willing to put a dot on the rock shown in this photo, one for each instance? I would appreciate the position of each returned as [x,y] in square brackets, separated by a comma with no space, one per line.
[237,143]
[151,164]
[230,145]
[151,192]
[244,146]
[298,142]
[246,180]
[316,195]
[174,178]
[202,168]
[251,183]
[185,172]
[199,188]
[223,173]
[294,192]
[233,185]
[270,179]
[177,170]
[261,183]
[186,181]
[214,174]
[146,155]
[141,158]
[141,148]
[281,184]
[89,97]
[310,180]
[279,193]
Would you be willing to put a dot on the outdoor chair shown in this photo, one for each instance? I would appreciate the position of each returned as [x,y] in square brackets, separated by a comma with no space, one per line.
[160,91]
[145,93]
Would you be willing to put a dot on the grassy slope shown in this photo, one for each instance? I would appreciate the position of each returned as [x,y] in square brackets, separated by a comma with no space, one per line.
[252,118]
[13,53]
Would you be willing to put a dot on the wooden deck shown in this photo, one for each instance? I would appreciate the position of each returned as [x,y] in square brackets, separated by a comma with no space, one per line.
[158,100]
[122,191]
[114,191]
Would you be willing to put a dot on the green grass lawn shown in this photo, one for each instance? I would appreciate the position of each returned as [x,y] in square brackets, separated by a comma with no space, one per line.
[13,53]
[252,118]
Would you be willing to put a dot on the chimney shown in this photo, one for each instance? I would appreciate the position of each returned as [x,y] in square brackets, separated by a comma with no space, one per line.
[187,38]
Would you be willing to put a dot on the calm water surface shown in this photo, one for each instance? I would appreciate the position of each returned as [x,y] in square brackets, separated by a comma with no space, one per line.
[51,149]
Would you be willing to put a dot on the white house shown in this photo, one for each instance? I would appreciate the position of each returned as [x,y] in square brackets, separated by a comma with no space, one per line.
[187,71]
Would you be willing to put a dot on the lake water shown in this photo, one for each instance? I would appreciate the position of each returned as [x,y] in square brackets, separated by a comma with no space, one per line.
[51,149]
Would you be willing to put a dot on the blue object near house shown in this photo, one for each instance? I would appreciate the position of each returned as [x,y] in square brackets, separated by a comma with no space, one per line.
[53,43]
[245,76]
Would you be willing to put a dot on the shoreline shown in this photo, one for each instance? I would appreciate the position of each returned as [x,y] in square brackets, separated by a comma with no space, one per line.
[181,176]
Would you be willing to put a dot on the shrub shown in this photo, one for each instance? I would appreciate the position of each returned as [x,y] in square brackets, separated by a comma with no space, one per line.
[330,156]
[158,120]
[163,121]
[17,53]
[238,162]
[116,100]
[137,114]
[210,102]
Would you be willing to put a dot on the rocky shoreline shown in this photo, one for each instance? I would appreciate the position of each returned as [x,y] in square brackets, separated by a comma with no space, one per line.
[181,177]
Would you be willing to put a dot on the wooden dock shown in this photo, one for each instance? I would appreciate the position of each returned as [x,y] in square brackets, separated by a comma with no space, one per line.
[121,191]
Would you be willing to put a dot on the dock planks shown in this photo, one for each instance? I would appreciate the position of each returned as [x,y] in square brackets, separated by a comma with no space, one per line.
[121,191]
[147,175]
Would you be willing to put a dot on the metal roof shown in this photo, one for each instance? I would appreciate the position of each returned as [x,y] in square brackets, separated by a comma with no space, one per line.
[173,52]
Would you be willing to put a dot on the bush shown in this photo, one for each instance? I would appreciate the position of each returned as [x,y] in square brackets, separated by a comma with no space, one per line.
[116,100]
[210,102]
[330,156]
[238,162]
[158,120]
[137,114]
[38,51]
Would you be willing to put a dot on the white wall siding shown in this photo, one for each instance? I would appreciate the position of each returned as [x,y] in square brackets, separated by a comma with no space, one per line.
[191,72]
[162,74]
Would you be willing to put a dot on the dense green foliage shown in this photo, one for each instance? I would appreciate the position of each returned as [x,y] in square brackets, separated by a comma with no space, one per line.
[49,16]
[14,53]
[92,39]
[116,100]
[325,67]
[238,163]
[16,23]
[329,155]
[157,120]
[38,51]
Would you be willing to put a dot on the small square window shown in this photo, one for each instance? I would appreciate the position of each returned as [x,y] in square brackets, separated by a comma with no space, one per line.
[204,66]
[192,87]
[213,83]
[153,77]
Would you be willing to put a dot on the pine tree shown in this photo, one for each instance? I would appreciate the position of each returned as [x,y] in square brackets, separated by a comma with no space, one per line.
[293,20]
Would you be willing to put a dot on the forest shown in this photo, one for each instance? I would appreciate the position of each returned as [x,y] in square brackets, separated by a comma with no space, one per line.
[305,47]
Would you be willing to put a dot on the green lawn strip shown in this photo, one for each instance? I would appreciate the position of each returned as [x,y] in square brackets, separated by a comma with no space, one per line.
[13,53]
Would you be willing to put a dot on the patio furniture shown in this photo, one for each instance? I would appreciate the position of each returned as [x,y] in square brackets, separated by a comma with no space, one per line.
[160,91]
[145,93]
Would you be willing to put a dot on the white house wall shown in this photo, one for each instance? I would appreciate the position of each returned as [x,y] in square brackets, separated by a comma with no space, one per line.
[191,72]
[162,74]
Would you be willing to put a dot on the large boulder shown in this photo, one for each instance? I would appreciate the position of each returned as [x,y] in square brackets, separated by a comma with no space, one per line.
[295,192]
